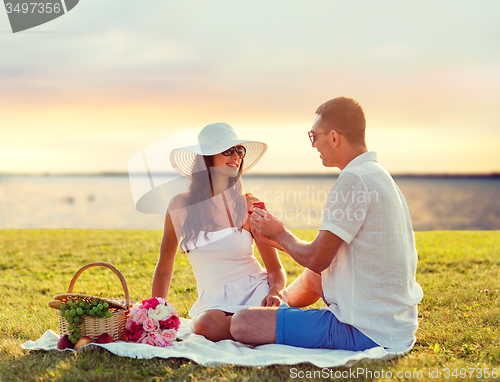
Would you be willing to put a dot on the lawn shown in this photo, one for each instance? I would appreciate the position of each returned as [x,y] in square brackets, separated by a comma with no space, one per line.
[459,314]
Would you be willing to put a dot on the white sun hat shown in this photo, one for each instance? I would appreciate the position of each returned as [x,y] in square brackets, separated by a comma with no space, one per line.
[214,139]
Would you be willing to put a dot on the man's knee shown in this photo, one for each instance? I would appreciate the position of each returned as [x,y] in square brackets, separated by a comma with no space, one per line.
[254,326]
[238,325]
[312,281]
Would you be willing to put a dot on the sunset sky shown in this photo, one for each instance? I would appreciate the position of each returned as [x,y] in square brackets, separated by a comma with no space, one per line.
[85,92]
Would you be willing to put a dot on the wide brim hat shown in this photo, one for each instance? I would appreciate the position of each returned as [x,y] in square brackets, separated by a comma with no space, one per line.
[215,139]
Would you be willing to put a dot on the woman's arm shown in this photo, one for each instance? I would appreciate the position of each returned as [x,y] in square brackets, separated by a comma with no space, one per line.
[165,266]
[276,274]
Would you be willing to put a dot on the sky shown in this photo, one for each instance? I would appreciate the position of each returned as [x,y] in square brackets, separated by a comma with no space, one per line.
[87,91]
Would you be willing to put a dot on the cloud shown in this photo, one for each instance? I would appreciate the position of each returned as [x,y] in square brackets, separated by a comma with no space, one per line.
[151,67]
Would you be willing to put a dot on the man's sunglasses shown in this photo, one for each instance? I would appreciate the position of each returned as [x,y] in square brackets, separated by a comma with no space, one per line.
[312,136]
[240,150]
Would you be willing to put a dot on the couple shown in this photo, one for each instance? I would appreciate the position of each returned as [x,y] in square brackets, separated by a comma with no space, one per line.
[362,262]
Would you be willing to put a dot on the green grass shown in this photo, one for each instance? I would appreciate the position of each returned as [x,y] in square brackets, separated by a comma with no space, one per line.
[459,320]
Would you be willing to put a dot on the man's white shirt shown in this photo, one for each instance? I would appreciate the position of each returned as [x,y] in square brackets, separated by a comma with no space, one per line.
[371,283]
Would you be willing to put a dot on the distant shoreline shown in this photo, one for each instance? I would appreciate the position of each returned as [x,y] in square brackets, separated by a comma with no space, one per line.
[494,175]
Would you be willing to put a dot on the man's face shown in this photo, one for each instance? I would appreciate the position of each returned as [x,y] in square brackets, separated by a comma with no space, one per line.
[323,143]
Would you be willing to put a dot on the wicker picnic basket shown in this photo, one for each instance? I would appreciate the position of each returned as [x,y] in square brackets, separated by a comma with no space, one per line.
[94,326]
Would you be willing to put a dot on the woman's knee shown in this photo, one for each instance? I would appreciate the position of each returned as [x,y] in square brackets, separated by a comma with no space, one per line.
[203,323]
[211,325]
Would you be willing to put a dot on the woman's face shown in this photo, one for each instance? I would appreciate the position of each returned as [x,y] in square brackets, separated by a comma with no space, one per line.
[227,165]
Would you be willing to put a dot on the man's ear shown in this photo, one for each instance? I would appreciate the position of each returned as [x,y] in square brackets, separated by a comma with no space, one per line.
[335,138]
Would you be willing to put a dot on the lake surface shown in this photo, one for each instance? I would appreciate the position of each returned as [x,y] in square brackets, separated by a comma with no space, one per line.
[108,201]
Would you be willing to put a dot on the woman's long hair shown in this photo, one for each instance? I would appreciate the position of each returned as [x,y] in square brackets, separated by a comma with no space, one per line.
[200,208]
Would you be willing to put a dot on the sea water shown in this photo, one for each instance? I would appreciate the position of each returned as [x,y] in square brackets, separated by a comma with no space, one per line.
[107,201]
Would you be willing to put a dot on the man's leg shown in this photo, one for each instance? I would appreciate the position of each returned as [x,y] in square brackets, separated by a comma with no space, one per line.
[256,326]
[306,328]
[305,290]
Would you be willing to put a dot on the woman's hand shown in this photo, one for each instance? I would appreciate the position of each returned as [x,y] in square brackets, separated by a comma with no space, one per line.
[273,299]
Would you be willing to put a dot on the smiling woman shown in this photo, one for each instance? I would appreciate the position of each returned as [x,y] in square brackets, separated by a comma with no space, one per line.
[232,158]
[211,224]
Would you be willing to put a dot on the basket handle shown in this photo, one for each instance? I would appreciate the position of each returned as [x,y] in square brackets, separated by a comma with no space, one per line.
[106,265]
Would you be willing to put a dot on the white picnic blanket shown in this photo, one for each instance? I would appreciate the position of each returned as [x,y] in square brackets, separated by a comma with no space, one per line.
[208,353]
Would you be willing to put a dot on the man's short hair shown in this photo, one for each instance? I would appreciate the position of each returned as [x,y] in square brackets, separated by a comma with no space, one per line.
[346,116]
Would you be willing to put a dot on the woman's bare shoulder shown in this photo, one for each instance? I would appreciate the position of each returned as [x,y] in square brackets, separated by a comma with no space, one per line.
[178,201]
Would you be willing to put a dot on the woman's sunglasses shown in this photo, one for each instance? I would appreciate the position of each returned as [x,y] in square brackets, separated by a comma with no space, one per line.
[240,150]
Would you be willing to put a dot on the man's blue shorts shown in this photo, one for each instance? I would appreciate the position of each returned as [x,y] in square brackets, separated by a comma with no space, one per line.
[317,329]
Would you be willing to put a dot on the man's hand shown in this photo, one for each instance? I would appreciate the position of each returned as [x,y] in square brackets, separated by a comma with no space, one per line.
[272,299]
[266,228]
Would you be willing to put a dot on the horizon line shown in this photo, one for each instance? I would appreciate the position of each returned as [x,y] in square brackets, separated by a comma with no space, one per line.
[264,175]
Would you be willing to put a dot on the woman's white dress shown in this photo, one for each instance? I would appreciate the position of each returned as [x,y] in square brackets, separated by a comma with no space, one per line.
[229,277]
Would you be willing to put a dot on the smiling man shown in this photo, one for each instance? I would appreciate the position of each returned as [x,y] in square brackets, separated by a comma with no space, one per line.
[362,262]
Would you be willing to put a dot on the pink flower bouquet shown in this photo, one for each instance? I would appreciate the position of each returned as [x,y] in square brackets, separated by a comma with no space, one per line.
[154,322]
